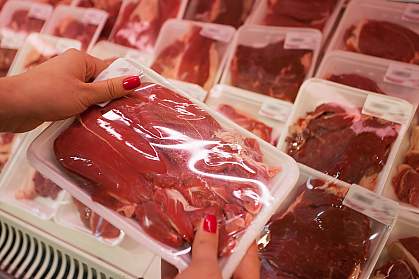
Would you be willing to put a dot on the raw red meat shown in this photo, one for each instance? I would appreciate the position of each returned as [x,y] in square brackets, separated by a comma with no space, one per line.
[37,186]
[357,81]
[140,22]
[22,22]
[317,237]
[384,39]
[343,143]
[55,2]
[256,127]
[271,70]
[397,269]
[299,13]
[193,58]
[228,12]
[158,158]
[6,141]
[72,28]
[7,55]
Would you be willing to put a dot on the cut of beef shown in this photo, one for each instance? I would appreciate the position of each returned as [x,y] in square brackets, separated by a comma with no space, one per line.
[55,2]
[384,39]
[72,28]
[317,237]
[158,158]
[7,55]
[21,21]
[271,70]
[193,58]
[357,81]
[140,22]
[228,12]
[6,141]
[299,13]
[37,186]
[343,143]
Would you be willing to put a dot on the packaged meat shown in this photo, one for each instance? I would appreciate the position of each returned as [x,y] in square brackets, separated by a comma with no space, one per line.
[109,50]
[227,12]
[347,133]
[192,52]
[26,189]
[273,61]
[139,22]
[24,16]
[55,3]
[7,145]
[326,229]
[371,74]
[37,49]
[171,187]
[82,24]
[261,115]
[75,215]
[378,29]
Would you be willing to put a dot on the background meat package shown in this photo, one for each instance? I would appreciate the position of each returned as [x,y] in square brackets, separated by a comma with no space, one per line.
[380,29]
[193,90]
[261,115]
[371,74]
[353,144]
[319,14]
[82,24]
[183,45]
[37,49]
[9,143]
[265,60]
[139,22]
[42,156]
[17,184]
[74,215]
[326,229]
[400,257]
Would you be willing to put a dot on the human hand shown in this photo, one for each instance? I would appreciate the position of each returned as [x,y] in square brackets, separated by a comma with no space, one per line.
[57,89]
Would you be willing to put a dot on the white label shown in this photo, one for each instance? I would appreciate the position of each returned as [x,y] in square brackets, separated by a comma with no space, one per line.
[372,205]
[217,33]
[10,39]
[388,109]
[275,111]
[300,40]
[133,55]
[403,75]
[39,11]
[411,13]
[95,17]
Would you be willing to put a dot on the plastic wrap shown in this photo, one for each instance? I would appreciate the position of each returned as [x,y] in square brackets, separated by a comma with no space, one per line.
[139,22]
[273,61]
[228,12]
[182,160]
[326,229]
[81,24]
[347,133]
[7,141]
[192,52]
[380,29]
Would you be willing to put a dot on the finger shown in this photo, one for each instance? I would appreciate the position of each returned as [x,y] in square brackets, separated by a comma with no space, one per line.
[249,267]
[205,245]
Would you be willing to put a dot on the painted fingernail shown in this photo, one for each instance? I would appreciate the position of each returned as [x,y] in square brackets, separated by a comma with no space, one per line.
[210,223]
[131,83]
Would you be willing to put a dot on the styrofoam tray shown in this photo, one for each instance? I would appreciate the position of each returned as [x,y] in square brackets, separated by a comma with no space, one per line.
[315,92]
[42,157]
[193,90]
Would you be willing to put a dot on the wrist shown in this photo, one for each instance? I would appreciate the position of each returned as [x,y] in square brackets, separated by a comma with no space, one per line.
[9,102]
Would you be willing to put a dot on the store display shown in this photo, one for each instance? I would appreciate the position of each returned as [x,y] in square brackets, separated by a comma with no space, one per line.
[6,142]
[357,81]
[38,185]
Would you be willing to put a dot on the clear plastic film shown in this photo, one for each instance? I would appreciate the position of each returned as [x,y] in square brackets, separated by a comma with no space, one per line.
[6,145]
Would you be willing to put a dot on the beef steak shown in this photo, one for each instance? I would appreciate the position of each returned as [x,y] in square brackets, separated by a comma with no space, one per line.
[357,81]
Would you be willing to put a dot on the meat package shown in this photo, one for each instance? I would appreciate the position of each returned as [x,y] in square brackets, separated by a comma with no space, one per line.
[261,115]
[192,52]
[228,12]
[378,30]
[37,49]
[264,62]
[346,133]
[192,90]
[324,230]
[6,146]
[177,158]
[139,22]
[81,24]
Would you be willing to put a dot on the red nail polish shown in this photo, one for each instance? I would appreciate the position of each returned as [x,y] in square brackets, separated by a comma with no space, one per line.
[210,223]
[131,83]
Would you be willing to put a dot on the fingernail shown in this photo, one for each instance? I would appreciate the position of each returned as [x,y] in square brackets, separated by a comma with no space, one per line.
[131,83]
[210,223]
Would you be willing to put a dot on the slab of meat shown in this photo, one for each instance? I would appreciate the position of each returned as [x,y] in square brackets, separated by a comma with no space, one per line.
[317,237]
[158,158]
[193,58]
[343,143]
[21,21]
[55,2]
[227,12]
[357,81]
[6,141]
[383,39]
[299,13]
[98,226]
[140,22]
[271,70]
[38,186]
[73,28]
[7,55]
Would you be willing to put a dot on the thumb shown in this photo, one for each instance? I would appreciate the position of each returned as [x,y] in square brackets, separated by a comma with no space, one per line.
[205,245]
